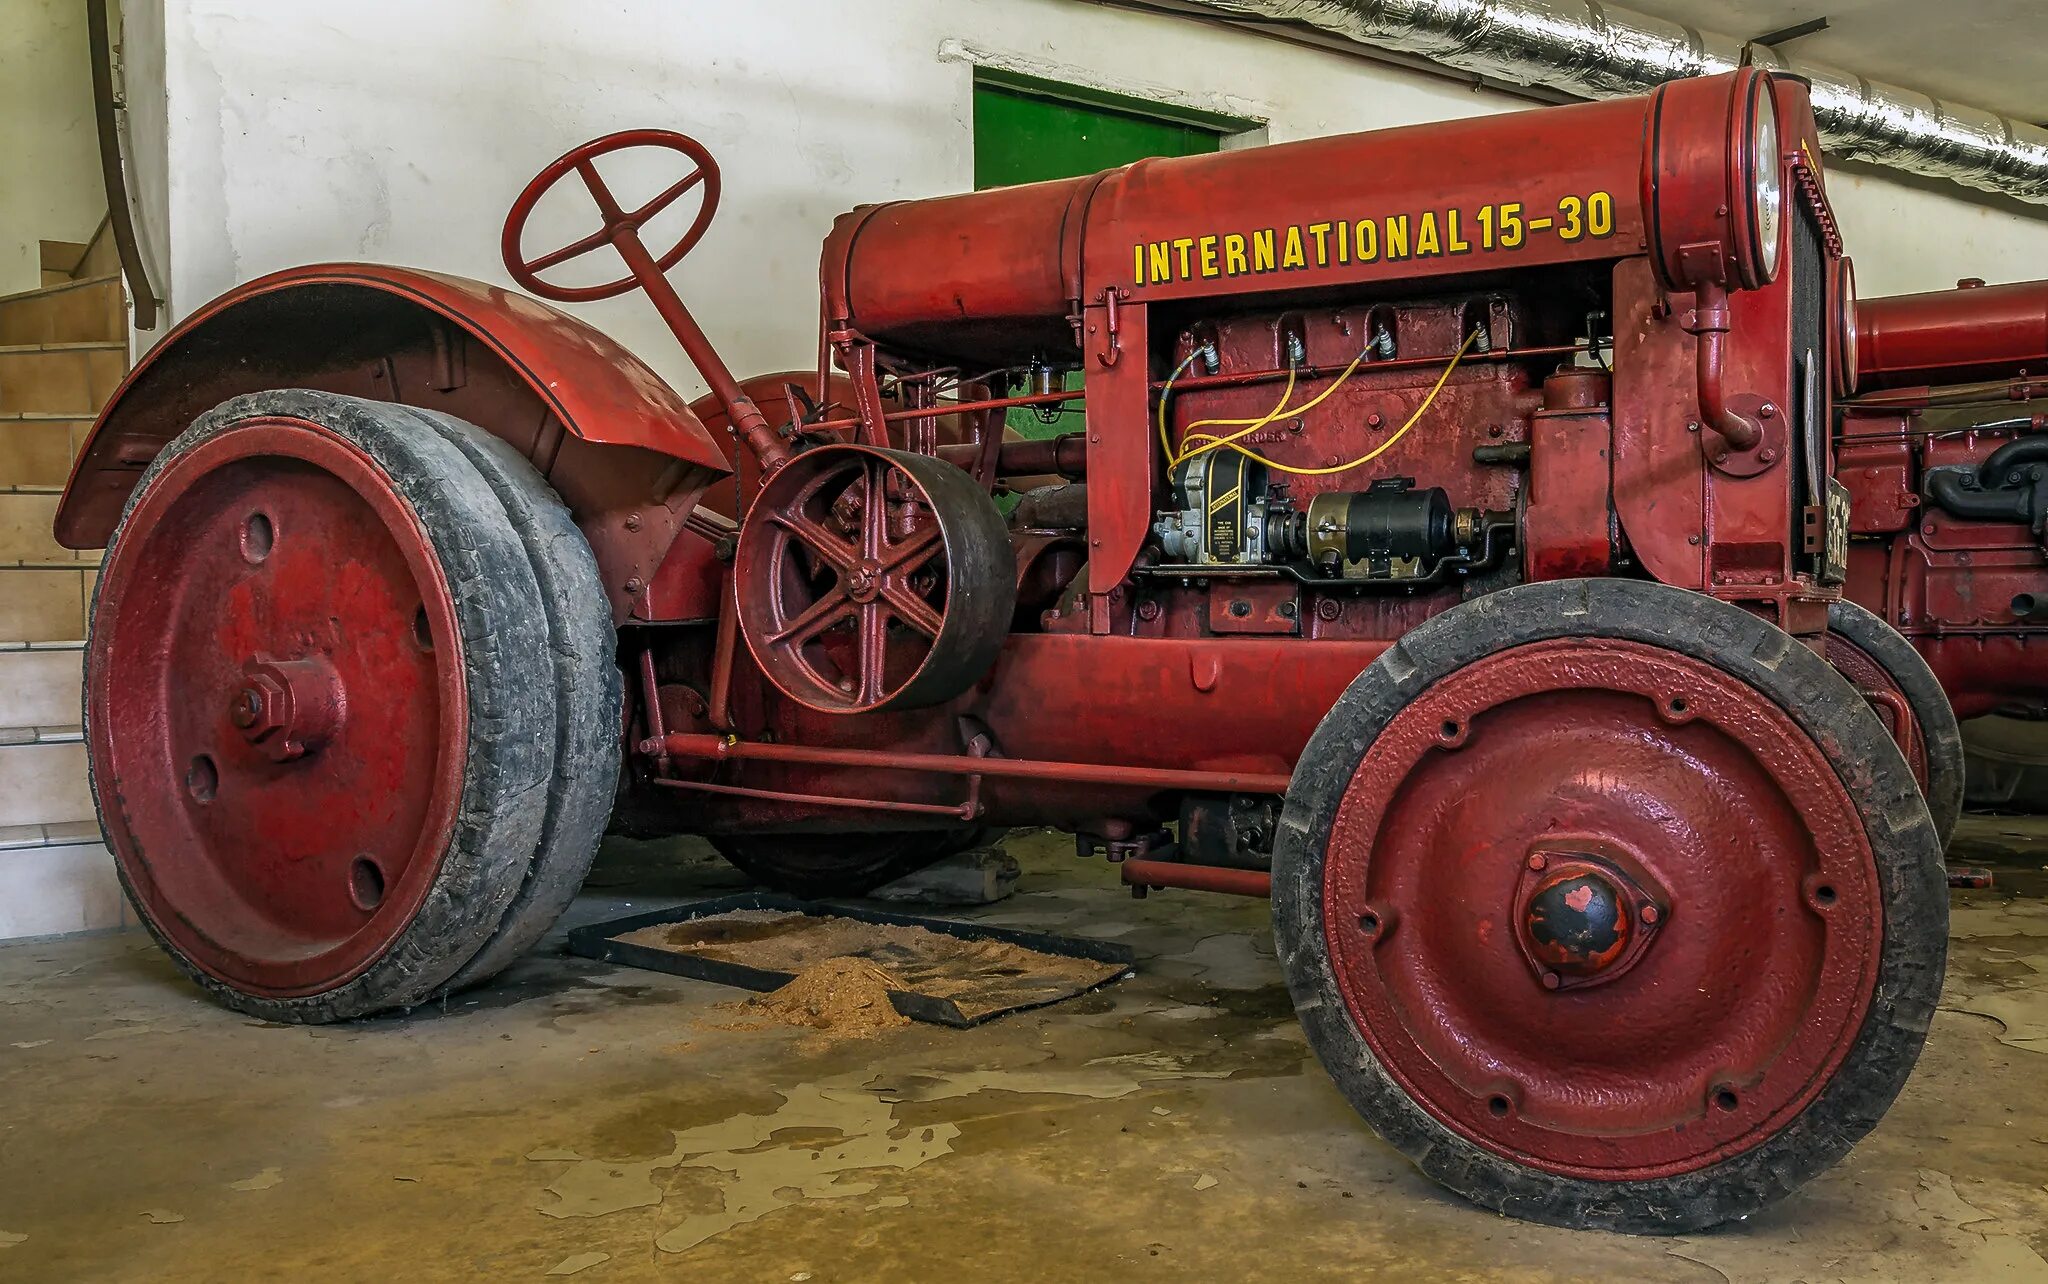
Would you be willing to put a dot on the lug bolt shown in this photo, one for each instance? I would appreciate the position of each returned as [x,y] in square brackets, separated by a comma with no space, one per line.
[1329,608]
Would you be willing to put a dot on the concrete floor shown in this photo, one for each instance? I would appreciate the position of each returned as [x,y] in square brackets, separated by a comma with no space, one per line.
[586,1119]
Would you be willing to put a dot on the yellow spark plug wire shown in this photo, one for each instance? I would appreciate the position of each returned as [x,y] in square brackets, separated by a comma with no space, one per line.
[1281,411]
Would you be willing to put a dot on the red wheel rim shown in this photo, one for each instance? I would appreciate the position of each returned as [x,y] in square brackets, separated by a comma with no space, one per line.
[845,561]
[1884,695]
[1726,817]
[276,558]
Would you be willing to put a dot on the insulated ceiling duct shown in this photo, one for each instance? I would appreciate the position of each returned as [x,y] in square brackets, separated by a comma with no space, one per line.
[1584,48]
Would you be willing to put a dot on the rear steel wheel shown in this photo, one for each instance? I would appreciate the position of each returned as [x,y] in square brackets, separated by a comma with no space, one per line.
[872,579]
[1610,905]
[320,708]
[582,649]
[1895,679]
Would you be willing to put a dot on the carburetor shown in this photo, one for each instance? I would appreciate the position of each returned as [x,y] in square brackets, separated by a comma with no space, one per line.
[1229,514]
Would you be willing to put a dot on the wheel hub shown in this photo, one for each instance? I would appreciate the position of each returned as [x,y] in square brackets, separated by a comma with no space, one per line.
[865,580]
[288,708]
[1582,918]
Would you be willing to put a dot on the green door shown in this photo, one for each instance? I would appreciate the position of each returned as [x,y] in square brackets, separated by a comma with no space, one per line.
[1028,131]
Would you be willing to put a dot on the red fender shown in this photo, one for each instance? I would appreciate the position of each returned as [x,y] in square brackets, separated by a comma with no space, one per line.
[507,362]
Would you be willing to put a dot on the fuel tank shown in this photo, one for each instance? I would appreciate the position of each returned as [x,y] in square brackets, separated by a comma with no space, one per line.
[1001,273]
[1973,332]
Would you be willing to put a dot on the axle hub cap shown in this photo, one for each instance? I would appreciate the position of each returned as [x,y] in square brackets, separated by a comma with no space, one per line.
[1582,919]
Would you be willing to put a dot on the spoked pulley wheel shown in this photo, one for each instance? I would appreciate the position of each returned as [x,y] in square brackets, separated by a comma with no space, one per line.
[1610,905]
[1895,679]
[321,711]
[873,579]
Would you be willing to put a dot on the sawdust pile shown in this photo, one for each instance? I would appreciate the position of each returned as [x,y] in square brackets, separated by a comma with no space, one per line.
[843,997]
[841,967]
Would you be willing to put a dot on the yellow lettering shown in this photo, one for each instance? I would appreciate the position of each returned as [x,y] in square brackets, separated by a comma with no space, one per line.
[1233,255]
[1368,238]
[1262,250]
[1573,209]
[1343,241]
[1138,263]
[1397,236]
[1291,256]
[1600,211]
[1208,250]
[1160,256]
[1181,246]
[1452,241]
[1425,235]
[1321,232]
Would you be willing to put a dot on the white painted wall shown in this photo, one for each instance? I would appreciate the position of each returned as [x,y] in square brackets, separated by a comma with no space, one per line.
[50,186]
[398,131]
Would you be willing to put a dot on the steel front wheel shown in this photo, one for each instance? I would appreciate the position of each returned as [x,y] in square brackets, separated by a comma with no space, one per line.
[1908,698]
[321,715]
[1610,905]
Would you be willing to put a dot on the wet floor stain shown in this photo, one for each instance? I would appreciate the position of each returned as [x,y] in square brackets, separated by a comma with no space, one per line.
[1977,1245]
[1228,962]
[833,1139]
[1232,1158]
[579,1262]
[261,1181]
[1997,969]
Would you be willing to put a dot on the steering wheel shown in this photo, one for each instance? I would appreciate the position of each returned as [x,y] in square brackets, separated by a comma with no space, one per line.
[620,225]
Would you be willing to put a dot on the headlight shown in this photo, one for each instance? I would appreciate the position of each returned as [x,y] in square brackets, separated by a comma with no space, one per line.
[1713,198]
[1845,328]
[1766,164]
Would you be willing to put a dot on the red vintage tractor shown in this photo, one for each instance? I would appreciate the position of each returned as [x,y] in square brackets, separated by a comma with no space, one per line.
[1947,470]
[1450,548]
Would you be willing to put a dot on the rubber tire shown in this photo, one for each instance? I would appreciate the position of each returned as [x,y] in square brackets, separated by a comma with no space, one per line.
[587,686]
[1937,717]
[1823,703]
[817,866]
[509,682]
